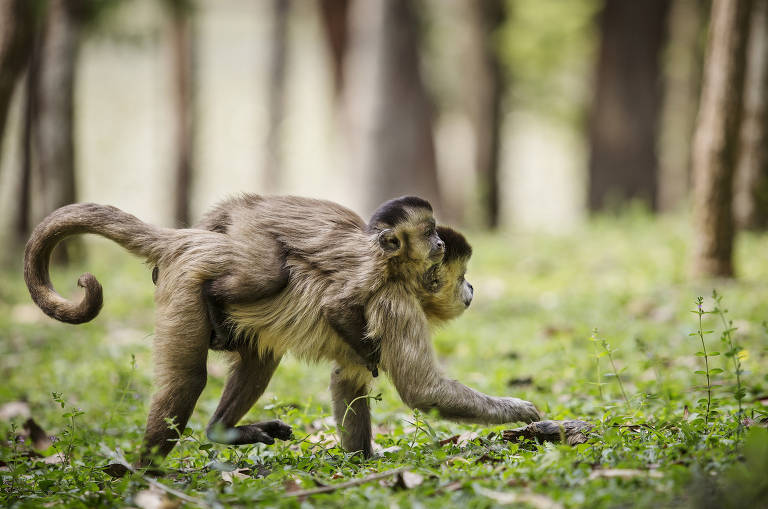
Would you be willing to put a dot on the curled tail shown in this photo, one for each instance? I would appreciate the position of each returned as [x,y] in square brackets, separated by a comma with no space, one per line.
[136,236]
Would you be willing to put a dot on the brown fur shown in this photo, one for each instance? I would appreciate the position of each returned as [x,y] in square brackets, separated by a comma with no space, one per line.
[332,260]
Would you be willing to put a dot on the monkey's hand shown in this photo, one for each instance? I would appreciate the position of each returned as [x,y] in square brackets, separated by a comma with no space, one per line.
[521,410]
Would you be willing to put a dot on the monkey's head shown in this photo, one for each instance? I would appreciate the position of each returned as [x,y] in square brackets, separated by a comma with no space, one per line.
[406,233]
[446,293]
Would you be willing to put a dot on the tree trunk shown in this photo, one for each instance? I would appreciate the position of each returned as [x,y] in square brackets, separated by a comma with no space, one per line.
[183,47]
[750,205]
[623,163]
[53,171]
[18,20]
[682,79]
[278,64]
[715,142]
[390,112]
[335,17]
[487,91]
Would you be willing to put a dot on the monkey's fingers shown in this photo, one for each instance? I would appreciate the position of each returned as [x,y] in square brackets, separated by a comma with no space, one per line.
[276,429]
[525,410]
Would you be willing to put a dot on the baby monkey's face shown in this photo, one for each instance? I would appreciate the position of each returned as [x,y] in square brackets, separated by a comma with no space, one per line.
[447,292]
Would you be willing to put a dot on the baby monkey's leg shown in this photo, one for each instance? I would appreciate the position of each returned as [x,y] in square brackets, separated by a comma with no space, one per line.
[349,323]
[247,381]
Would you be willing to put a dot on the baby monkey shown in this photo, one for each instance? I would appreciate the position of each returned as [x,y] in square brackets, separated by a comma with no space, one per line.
[445,294]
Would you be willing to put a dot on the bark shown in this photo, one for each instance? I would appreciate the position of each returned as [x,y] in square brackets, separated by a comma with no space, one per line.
[18,20]
[750,205]
[183,54]
[623,163]
[715,142]
[278,64]
[682,78]
[487,92]
[390,111]
[53,120]
[335,18]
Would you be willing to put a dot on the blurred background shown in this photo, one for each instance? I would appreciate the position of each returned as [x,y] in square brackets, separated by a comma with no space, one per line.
[511,114]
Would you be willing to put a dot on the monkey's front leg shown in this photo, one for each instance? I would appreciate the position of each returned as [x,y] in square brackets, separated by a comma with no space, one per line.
[351,410]
[248,379]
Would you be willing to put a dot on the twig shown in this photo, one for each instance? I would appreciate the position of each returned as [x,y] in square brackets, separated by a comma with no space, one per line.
[348,484]
[120,459]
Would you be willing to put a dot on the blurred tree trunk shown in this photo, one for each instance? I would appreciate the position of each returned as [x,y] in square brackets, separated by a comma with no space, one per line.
[18,20]
[184,66]
[390,111]
[487,91]
[716,139]
[278,64]
[53,121]
[750,206]
[624,117]
[682,79]
[335,18]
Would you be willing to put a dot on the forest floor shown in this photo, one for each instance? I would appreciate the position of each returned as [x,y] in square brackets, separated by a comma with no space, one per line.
[639,378]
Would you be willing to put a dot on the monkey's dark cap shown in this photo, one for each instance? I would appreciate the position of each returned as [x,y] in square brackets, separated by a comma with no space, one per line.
[456,246]
[393,212]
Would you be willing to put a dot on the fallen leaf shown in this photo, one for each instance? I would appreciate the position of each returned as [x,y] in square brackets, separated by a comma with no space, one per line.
[240,473]
[37,437]
[115,470]
[54,459]
[407,480]
[291,485]
[337,475]
[686,413]
[512,497]
[466,437]
[623,473]
[14,409]
[154,498]
[450,440]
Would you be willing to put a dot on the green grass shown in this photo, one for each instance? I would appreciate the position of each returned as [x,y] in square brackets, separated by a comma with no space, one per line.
[538,301]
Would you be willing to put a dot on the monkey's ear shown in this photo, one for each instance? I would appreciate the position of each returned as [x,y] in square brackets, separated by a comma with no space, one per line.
[388,240]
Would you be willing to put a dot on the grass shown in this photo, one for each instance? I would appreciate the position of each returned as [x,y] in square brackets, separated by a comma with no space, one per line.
[538,299]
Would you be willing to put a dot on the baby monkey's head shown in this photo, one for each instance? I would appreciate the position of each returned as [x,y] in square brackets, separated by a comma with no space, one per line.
[446,293]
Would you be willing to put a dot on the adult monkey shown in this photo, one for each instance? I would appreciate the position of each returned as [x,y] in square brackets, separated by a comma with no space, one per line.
[394,316]
[332,259]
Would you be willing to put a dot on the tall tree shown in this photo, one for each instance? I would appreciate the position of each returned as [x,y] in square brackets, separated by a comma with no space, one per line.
[184,66]
[18,20]
[750,205]
[487,92]
[53,121]
[682,85]
[624,116]
[390,110]
[716,139]
[335,18]
[278,65]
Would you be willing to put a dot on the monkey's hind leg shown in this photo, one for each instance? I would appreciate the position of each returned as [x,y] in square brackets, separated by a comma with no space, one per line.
[180,366]
[247,381]
[351,411]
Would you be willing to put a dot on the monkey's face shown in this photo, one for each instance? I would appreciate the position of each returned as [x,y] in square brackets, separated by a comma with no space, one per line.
[447,292]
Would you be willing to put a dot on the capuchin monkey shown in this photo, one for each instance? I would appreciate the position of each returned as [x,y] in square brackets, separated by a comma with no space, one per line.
[329,259]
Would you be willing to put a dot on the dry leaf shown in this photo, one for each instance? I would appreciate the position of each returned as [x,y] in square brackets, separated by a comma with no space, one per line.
[54,459]
[623,473]
[450,440]
[292,485]
[512,497]
[14,409]
[240,473]
[37,437]
[115,470]
[153,498]
[466,437]
[407,480]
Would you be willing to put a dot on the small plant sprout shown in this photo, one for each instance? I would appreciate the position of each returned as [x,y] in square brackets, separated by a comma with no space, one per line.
[700,312]
[607,350]
[733,351]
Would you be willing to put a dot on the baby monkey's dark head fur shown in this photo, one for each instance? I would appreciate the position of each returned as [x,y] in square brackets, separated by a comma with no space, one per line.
[407,234]
[446,294]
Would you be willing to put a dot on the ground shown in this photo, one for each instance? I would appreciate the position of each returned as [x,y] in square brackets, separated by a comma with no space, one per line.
[530,333]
